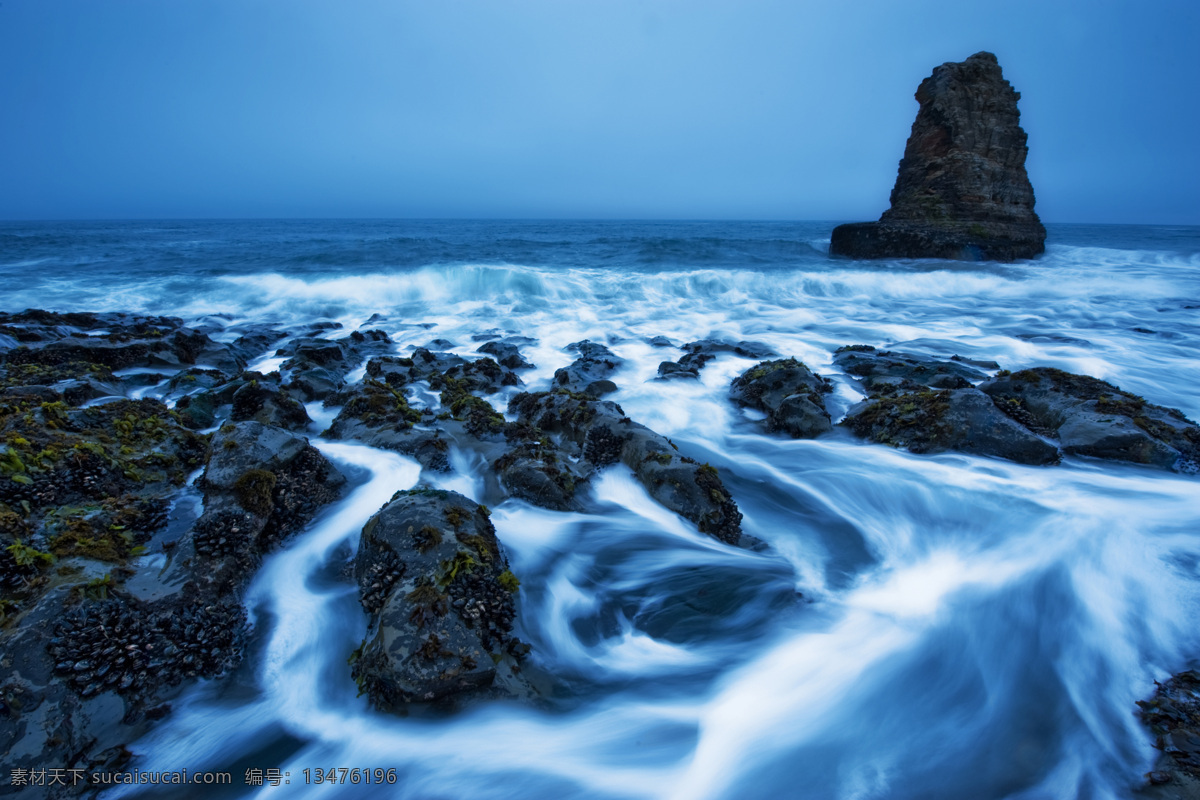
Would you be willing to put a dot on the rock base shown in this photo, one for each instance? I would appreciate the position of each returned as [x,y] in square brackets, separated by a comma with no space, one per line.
[970,242]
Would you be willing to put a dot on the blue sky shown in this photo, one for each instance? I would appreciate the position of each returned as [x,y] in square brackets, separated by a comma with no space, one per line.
[571,108]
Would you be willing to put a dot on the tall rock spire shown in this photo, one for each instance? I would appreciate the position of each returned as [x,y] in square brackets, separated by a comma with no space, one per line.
[962,190]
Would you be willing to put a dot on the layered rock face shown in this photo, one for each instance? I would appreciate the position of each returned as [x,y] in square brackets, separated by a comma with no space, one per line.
[962,191]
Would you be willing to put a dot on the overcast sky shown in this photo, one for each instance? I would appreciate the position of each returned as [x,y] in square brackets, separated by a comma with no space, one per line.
[694,109]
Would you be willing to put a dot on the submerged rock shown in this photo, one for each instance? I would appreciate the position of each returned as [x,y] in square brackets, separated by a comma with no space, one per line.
[885,371]
[439,593]
[962,190]
[789,393]
[697,354]
[1093,418]
[589,374]
[506,355]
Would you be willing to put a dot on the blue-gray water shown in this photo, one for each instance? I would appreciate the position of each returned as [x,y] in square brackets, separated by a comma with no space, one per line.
[922,627]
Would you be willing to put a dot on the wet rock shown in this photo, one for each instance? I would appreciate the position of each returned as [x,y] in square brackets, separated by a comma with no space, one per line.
[599,432]
[745,349]
[884,371]
[318,367]
[1173,717]
[255,340]
[506,355]
[89,664]
[56,455]
[670,370]
[1093,418]
[261,485]
[964,420]
[534,469]
[86,348]
[659,341]
[589,374]
[377,414]
[789,393]
[439,592]
[962,190]
[262,401]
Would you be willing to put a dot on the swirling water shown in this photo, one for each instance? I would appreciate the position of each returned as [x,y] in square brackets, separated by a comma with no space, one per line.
[920,627]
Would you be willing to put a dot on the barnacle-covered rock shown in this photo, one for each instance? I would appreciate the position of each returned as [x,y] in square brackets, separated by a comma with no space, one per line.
[441,625]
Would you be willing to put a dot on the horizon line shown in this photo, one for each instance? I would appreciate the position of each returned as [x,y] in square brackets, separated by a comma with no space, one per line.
[782,220]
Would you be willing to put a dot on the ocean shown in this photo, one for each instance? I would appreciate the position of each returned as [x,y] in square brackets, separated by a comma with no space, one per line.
[918,627]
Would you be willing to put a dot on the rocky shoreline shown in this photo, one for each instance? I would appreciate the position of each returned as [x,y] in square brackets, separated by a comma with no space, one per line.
[116,596]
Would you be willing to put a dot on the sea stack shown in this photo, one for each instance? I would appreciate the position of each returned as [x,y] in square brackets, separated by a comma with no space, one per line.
[962,191]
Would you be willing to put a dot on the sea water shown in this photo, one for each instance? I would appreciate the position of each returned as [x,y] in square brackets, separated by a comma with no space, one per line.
[919,627]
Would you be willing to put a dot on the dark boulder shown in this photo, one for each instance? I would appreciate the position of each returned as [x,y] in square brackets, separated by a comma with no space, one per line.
[255,340]
[262,401]
[745,349]
[789,393]
[1093,418]
[439,594]
[964,420]
[962,191]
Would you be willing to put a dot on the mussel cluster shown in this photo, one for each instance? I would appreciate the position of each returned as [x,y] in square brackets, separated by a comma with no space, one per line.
[111,645]
[90,474]
[485,605]
[603,447]
[725,521]
[299,493]
[13,575]
[379,579]
[104,645]
[40,491]
[224,533]
[203,640]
